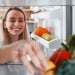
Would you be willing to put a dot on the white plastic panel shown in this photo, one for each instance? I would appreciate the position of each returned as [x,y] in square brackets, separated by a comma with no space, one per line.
[53,44]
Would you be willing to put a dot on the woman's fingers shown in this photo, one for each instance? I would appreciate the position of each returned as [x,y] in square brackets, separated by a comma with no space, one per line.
[27,64]
[23,58]
[32,54]
[39,54]
[15,57]
[32,49]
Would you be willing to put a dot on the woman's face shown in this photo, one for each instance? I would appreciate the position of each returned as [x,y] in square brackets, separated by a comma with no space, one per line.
[15,23]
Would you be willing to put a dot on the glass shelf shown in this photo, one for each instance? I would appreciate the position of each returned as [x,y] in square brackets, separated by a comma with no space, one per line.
[36,2]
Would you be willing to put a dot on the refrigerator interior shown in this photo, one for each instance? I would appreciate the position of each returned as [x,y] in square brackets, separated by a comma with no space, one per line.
[53,14]
[54,19]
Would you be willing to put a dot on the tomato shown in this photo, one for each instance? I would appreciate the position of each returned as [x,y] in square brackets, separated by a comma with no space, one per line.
[59,56]
[40,31]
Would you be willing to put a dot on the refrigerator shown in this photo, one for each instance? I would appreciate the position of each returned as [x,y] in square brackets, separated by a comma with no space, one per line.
[54,19]
[56,15]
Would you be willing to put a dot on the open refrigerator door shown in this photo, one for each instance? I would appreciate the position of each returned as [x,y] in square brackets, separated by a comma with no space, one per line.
[52,19]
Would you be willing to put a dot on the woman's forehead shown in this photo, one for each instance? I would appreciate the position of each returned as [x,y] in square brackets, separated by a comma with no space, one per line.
[15,13]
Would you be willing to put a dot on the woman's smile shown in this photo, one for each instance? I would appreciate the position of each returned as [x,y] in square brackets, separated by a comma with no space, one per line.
[16,29]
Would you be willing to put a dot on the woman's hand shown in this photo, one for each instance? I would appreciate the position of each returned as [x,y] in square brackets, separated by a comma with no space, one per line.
[20,50]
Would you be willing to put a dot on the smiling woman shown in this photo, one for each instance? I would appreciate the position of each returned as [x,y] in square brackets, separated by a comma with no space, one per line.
[13,28]
[15,45]
[14,25]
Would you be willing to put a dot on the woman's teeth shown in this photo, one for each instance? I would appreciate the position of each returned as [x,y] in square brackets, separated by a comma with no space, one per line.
[16,28]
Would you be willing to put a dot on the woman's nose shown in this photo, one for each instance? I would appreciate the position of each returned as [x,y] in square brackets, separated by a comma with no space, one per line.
[16,23]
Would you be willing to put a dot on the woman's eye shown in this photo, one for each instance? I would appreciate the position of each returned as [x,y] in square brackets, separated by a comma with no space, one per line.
[21,20]
[12,20]
[16,20]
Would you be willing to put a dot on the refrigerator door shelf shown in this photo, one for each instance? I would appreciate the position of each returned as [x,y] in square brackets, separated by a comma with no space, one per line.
[53,44]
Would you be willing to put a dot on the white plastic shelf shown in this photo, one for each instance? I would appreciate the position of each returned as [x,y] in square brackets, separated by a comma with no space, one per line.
[52,44]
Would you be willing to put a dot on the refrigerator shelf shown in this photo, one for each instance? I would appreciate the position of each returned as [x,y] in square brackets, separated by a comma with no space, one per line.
[52,44]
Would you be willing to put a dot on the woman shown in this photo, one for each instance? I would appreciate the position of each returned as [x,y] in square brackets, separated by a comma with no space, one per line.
[15,34]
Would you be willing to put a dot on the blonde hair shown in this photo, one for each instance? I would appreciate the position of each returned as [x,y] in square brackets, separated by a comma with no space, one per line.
[5,35]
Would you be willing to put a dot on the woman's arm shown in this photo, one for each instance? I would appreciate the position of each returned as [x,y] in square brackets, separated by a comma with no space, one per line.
[4,54]
[19,50]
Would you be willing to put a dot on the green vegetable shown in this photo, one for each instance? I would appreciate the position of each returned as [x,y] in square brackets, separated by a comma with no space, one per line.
[70,45]
[70,41]
[67,67]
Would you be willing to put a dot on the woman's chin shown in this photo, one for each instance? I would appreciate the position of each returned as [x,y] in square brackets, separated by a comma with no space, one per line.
[15,34]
